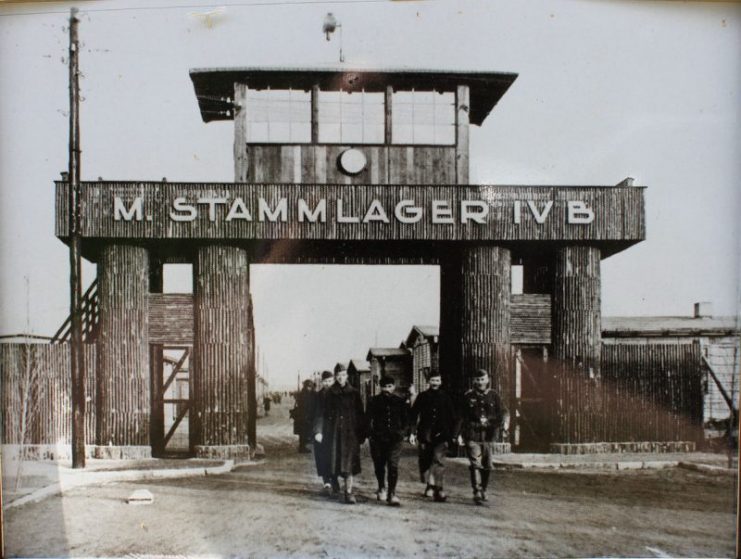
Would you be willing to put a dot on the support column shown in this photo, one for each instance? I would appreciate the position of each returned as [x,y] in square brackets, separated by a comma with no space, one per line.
[485,331]
[577,342]
[451,297]
[241,159]
[156,363]
[462,123]
[123,373]
[221,349]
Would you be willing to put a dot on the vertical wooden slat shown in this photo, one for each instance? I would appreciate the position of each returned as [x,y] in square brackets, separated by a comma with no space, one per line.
[485,328]
[221,346]
[462,121]
[123,370]
[241,160]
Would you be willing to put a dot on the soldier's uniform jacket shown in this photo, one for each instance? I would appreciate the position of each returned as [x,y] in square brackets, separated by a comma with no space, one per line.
[437,418]
[477,406]
[387,418]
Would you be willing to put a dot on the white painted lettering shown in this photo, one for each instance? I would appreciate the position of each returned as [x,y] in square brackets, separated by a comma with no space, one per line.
[238,210]
[280,213]
[120,211]
[341,218]
[406,212]
[375,213]
[180,205]
[469,212]
[579,213]
[441,212]
[539,216]
[212,203]
[319,213]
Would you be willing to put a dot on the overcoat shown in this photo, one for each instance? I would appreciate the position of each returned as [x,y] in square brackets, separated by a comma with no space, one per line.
[322,450]
[303,415]
[342,425]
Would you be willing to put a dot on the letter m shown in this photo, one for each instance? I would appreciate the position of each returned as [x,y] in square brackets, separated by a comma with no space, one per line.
[127,214]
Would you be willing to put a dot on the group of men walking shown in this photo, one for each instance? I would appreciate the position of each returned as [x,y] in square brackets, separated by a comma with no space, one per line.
[335,420]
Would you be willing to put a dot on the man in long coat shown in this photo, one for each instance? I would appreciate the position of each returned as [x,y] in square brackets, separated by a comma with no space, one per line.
[303,415]
[342,425]
[322,450]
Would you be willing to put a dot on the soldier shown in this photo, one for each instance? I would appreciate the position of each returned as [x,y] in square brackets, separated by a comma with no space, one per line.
[482,419]
[321,449]
[388,426]
[342,425]
[434,416]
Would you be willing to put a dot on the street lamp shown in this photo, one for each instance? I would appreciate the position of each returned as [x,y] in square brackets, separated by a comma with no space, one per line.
[329,26]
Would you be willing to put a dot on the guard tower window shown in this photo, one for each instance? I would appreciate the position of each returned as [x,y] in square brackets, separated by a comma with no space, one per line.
[423,117]
[351,118]
[278,116]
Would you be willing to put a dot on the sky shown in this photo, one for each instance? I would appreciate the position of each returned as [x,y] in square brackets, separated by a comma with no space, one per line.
[606,90]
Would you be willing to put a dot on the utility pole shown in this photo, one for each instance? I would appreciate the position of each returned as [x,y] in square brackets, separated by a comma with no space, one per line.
[76,355]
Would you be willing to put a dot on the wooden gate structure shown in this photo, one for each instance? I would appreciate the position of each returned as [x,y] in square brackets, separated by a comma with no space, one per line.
[339,166]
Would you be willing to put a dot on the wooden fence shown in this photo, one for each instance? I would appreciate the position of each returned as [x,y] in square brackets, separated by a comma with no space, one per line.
[40,376]
[645,393]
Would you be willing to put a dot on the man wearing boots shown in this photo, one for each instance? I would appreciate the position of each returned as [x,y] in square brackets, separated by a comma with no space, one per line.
[482,417]
[434,416]
[341,425]
[388,423]
[322,449]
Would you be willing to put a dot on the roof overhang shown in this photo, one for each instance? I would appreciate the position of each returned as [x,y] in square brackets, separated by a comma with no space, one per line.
[214,87]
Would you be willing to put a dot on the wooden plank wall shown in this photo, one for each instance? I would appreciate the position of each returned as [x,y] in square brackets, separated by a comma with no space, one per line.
[50,415]
[649,392]
[531,319]
[222,349]
[486,316]
[170,318]
[124,373]
[619,212]
[577,315]
[318,163]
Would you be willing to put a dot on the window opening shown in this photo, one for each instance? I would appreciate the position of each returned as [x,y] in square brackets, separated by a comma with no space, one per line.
[423,117]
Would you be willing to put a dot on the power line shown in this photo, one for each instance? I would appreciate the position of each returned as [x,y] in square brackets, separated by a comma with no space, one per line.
[197,6]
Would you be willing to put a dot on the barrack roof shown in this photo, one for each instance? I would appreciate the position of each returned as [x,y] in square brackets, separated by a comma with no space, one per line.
[214,87]
[632,326]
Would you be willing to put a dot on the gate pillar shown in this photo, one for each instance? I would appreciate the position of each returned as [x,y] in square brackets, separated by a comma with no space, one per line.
[577,341]
[122,383]
[221,349]
[485,325]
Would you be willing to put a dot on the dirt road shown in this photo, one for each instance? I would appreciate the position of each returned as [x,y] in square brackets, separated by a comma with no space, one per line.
[274,509]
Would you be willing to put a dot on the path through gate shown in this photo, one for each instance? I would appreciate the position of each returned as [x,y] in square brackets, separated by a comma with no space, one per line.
[171,401]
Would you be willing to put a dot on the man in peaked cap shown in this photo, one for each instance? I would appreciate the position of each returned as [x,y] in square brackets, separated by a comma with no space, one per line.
[482,418]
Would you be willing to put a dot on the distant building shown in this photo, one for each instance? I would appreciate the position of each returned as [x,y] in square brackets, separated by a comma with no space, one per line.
[392,361]
[423,343]
[359,376]
[719,339]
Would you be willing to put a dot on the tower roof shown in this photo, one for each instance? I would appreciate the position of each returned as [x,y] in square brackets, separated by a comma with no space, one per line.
[214,87]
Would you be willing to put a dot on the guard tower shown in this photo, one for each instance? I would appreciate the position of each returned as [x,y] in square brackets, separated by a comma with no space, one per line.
[342,166]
